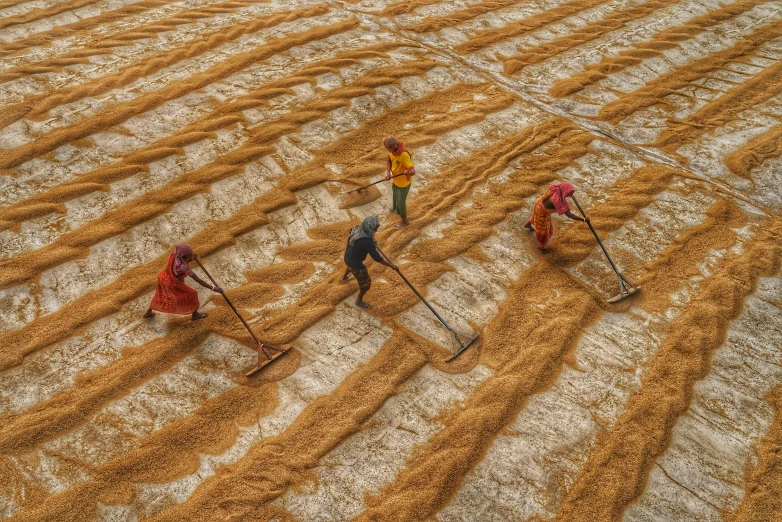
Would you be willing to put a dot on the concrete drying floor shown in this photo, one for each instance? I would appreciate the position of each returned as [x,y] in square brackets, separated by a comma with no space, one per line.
[129,126]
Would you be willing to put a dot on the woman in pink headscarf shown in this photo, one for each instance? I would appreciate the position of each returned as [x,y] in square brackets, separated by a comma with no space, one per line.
[552,201]
[173,296]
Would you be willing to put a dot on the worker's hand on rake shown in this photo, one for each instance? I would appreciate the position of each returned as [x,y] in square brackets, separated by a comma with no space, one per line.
[389,264]
[388,175]
[576,218]
[212,285]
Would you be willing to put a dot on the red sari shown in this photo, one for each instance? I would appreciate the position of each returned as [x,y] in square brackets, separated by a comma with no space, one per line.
[173,296]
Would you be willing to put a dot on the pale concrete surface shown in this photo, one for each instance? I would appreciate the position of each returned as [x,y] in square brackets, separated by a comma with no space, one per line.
[530,465]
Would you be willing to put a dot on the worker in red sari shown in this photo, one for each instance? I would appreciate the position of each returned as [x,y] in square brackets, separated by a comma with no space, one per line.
[554,200]
[173,296]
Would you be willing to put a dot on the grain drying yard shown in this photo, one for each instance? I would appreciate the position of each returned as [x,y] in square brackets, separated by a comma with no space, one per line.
[127,126]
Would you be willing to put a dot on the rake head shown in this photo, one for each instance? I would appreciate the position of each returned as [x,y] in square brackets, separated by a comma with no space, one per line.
[360,196]
[266,357]
[626,288]
[624,292]
[463,341]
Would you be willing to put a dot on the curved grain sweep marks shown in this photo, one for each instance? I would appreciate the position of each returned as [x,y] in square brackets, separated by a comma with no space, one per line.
[526,25]
[171,452]
[390,296]
[723,110]
[407,6]
[38,14]
[318,123]
[558,441]
[764,482]
[435,23]
[279,462]
[666,39]
[393,303]
[137,281]
[103,44]
[682,258]
[549,317]
[755,152]
[612,22]
[512,151]
[154,203]
[227,115]
[437,468]
[669,83]
[86,24]
[616,471]
[39,106]
[222,117]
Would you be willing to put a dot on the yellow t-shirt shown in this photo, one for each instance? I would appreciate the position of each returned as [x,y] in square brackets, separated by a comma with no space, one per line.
[400,163]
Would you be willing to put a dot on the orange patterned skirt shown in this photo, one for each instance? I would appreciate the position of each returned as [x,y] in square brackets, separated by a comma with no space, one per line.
[542,223]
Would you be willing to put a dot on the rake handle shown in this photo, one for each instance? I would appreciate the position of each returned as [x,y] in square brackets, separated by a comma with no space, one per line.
[622,280]
[374,183]
[596,236]
[416,291]
[229,302]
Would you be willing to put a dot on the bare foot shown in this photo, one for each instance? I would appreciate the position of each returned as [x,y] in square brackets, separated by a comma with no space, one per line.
[149,314]
[198,315]
[347,277]
[362,304]
[528,225]
[543,250]
[401,224]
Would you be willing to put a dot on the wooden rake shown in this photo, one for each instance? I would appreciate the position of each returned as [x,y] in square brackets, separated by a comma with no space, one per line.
[359,189]
[263,356]
[626,288]
[463,341]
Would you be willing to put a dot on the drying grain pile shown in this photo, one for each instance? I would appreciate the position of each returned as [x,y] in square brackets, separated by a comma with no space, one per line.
[127,126]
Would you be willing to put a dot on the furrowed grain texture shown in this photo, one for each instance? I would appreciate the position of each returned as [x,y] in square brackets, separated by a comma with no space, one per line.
[583,35]
[762,499]
[650,95]
[666,39]
[616,471]
[238,126]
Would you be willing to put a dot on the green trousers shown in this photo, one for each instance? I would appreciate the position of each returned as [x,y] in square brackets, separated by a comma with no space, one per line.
[400,200]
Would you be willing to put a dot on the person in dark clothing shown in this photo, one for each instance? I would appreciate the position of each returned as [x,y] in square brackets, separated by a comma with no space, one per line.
[361,243]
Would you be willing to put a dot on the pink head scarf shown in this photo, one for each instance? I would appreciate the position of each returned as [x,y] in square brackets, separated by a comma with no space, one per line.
[182,250]
[560,191]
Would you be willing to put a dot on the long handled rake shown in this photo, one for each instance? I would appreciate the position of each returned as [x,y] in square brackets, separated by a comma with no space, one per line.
[263,356]
[462,340]
[359,189]
[361,196]
[626,288]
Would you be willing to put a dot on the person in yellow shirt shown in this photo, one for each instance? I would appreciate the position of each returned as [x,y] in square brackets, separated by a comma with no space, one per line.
[400,171]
